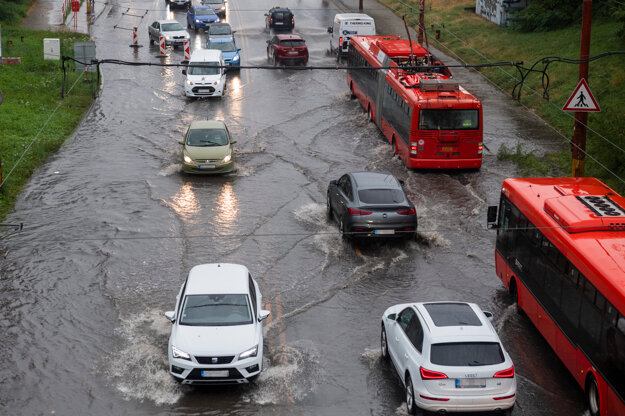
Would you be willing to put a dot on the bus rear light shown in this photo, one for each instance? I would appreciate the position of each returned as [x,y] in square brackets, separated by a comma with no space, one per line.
[413,148]
[509,373]
[480,147]
[354,211]
[431,375]
[410,211]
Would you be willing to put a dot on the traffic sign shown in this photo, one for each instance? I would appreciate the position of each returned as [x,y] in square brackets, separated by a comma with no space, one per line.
[581,99]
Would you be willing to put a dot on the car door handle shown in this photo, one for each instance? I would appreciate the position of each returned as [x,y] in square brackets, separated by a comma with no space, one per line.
[405,355]
[397,339]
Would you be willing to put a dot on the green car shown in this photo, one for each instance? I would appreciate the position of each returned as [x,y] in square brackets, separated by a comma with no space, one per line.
[207,148]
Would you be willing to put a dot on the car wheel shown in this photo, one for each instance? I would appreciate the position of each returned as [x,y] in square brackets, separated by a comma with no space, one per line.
[384,344]
[343,230]
[195,28]
[592,396]
[151,40]
[275,61]
[176,379]
[410,404]
[329,212]
[188,25]
[351,89]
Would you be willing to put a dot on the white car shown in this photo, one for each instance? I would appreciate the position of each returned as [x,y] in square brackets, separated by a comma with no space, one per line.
[172,32]
[206,74]
[449,358]
[217,333]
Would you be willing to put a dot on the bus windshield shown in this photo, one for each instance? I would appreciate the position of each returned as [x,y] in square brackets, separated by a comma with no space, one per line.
[448,119]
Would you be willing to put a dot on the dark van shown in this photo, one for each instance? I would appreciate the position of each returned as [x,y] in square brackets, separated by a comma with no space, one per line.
[279,18]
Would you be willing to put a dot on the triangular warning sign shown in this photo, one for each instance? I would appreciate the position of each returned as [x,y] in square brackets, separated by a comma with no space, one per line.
[581,99]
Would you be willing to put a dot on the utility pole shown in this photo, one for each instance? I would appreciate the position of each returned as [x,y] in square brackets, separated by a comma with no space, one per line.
[421,21]
[360,5]
[581,118]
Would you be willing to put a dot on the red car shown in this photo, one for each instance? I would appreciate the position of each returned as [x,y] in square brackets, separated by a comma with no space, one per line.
[289,49]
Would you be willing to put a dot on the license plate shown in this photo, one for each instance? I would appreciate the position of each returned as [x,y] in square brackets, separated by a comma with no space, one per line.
[470,383]
[279,23]
[384,232]
[207,167]
[214,373]
[447,148]
[292,53]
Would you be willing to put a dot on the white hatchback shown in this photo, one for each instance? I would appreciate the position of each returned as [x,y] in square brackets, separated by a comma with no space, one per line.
[449,358]
[217,333]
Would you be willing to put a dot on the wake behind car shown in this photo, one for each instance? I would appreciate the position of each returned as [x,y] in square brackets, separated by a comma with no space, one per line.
[228,48]
[171,30]
[449,358]
[279,18]
[287,49]
[371,204]
[207,148]
[201,17]
[217,334]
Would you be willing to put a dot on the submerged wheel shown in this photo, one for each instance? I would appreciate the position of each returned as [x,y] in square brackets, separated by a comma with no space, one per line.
[394,144]
[329,208]
[370,115]
[384,344]
[342,229]
[592,396]
[410,404]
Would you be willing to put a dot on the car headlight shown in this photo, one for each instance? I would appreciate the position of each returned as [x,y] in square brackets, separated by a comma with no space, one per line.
[236,58]
[227,158]
[187,159]
[177,353]
[189,83]
[249,353]
[197,20]
[167,37]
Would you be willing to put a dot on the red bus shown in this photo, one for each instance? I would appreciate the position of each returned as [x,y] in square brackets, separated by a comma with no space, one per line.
[560,251]
[431,121]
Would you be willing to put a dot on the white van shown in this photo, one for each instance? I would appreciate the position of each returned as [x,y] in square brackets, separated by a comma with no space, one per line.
[347,25]
[206,75]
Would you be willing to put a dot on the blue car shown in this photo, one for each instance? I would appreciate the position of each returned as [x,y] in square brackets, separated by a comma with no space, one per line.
[228,48]
[201,17]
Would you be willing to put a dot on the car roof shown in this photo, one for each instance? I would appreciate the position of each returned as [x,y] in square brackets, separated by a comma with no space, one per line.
[204,55]
[348,16]
[280,9]
[208,124]
[203,7]
[168,21]
[378,180]
[456,321]
[217,278]
[289,37]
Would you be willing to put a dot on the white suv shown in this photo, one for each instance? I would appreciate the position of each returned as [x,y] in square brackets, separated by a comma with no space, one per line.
[449,358]
[217,333]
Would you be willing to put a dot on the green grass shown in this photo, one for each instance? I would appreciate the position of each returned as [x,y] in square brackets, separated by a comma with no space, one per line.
[470,37]
[31,92]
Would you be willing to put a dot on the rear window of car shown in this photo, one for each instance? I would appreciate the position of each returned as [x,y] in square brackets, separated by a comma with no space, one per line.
[281,15]
[381,196]
[219,30]
[457,354]
[292,43]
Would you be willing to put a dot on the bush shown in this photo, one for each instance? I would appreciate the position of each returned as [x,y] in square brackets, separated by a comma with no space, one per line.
[12,11]
[545,15]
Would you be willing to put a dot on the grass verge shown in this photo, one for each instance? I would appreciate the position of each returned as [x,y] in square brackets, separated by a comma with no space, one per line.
[31,92]
[475,40]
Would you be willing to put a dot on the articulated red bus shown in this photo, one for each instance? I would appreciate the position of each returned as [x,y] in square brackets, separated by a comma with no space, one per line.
[560,251]
[431,121]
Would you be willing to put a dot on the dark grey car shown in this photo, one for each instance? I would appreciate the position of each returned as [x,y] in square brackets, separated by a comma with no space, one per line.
[371,204]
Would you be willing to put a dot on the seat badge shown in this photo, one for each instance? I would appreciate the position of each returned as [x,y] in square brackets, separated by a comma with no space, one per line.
[214,360]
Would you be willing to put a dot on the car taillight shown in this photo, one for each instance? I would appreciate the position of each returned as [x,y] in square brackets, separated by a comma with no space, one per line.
[341,41]
[410,211]
[292,20]
[271,21]
[354,211]
[509,373]
[431,375]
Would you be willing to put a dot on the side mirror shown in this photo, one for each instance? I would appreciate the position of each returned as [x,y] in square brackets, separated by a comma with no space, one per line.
[401,182]
[330,30]
[392,317]
[238,49]
[333,182]
[489,315]
[233,142]
[181,142]
[263,315]
[267,42]
[266,14]
[491,216]
[184,72]
[234,31]
[171,315]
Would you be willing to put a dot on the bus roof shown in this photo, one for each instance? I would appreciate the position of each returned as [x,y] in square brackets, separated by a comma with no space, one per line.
[392,46]
[585,219]
[431,90]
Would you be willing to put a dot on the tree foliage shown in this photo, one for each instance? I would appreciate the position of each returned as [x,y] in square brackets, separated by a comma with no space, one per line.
[545,15]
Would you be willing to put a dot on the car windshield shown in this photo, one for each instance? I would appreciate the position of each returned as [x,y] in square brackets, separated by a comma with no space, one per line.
[448,120]
[216,310]
[292,43]
[222,46]
[460,354]
[207,137]
[203,68]
[381,196]
[171,27]
[204,11]
[219,30]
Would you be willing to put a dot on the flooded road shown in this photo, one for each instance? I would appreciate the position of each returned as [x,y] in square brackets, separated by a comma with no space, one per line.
[112,227]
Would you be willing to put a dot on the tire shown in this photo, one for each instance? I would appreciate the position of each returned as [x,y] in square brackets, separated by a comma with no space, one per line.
[329,212]
[275,61]
[342,229]
[176,379]
[370,115]
[188,25]
[592,396]
[351,89]
[384,344]
[394,144]
[411,407]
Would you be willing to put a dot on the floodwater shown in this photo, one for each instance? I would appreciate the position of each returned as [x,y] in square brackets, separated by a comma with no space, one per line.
[112,227]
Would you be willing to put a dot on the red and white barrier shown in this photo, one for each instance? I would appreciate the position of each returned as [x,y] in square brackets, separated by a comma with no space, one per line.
[187,51]
[135,39]
[161,45]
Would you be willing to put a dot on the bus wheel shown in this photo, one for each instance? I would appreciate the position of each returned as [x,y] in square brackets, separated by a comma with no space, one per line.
[592,396]
[394,144]
[352,95]
[370,115]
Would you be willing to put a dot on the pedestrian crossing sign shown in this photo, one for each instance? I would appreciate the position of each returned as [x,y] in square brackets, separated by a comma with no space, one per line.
[581,99]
